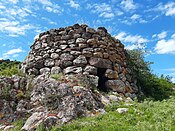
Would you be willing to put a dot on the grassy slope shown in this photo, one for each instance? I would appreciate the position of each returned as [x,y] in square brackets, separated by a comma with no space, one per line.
[146,116]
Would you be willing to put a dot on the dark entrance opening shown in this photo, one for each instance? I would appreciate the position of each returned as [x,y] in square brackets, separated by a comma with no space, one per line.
[102,79]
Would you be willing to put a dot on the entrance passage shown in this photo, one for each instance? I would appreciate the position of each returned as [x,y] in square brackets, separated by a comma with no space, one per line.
[102,79]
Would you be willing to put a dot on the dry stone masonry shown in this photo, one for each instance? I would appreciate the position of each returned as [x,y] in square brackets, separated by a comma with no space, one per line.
[79,49]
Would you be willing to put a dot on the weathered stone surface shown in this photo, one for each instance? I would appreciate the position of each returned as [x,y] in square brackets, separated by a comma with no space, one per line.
[117,68]
[101,63]
[73,69]
[87,53]
[114,98]
[80,61]
[50,121]
[83,46]
[49,63]
[56,70]
[34,118]
[63,46]
[111,74]
[54,56]
[90,30]
[86,35]
[105,100]
[91,70]
[122,77]
[75,53]
[33,71]
[66,57]
[98,54]
[92,41]
[105,55]
[122,110]
[8,128]
[80,41]
[116,85]
[64,64]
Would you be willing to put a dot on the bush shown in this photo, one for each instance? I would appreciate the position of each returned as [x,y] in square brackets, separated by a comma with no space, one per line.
[9,68]
[151,85]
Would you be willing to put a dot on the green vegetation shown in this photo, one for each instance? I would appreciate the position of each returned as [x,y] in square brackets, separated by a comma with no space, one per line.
[149,115]
[144,116]
[9,68]
[58,77]
[157,88]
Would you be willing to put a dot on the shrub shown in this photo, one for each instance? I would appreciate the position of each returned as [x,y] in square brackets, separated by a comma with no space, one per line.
[9,68]
[152,86]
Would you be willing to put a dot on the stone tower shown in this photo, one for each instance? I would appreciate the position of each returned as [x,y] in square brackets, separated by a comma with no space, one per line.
[81,49]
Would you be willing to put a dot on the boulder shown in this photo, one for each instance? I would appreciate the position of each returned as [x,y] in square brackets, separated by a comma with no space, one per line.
[122,110]
[91,70]
[111,74]
[34,120]
[66,57]
[100,63]
[80,61]
[116,85]
[56,70]
[45,70]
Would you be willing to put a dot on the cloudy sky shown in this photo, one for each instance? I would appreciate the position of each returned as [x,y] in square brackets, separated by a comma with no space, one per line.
[148,24]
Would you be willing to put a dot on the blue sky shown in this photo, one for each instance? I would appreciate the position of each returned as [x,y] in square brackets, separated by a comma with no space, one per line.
[146,24]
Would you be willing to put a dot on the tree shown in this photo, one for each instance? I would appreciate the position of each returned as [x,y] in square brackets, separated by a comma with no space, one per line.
[151,85]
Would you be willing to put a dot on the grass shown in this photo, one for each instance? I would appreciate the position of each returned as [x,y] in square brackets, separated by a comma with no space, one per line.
[146,116]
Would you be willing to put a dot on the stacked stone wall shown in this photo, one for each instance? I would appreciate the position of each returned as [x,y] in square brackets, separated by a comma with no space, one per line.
[81,49]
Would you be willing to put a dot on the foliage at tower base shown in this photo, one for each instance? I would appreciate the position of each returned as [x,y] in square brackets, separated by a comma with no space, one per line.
[9,68]
[151,85]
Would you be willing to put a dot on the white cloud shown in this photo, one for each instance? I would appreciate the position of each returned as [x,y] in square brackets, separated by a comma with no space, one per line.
[2,6]
[36,37]
[167,9]
[104,10]
[173,36]
[15,55]
[73,4]
[165,46]
[45,2]
[135,41]
[131,38]
[118,13]
[51,7]
[135,17]
[128,5]
[135,46]
[161,35]
[13,1]
[106,15]
[13,20]
[14,51]
[14,28]
[169,69]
